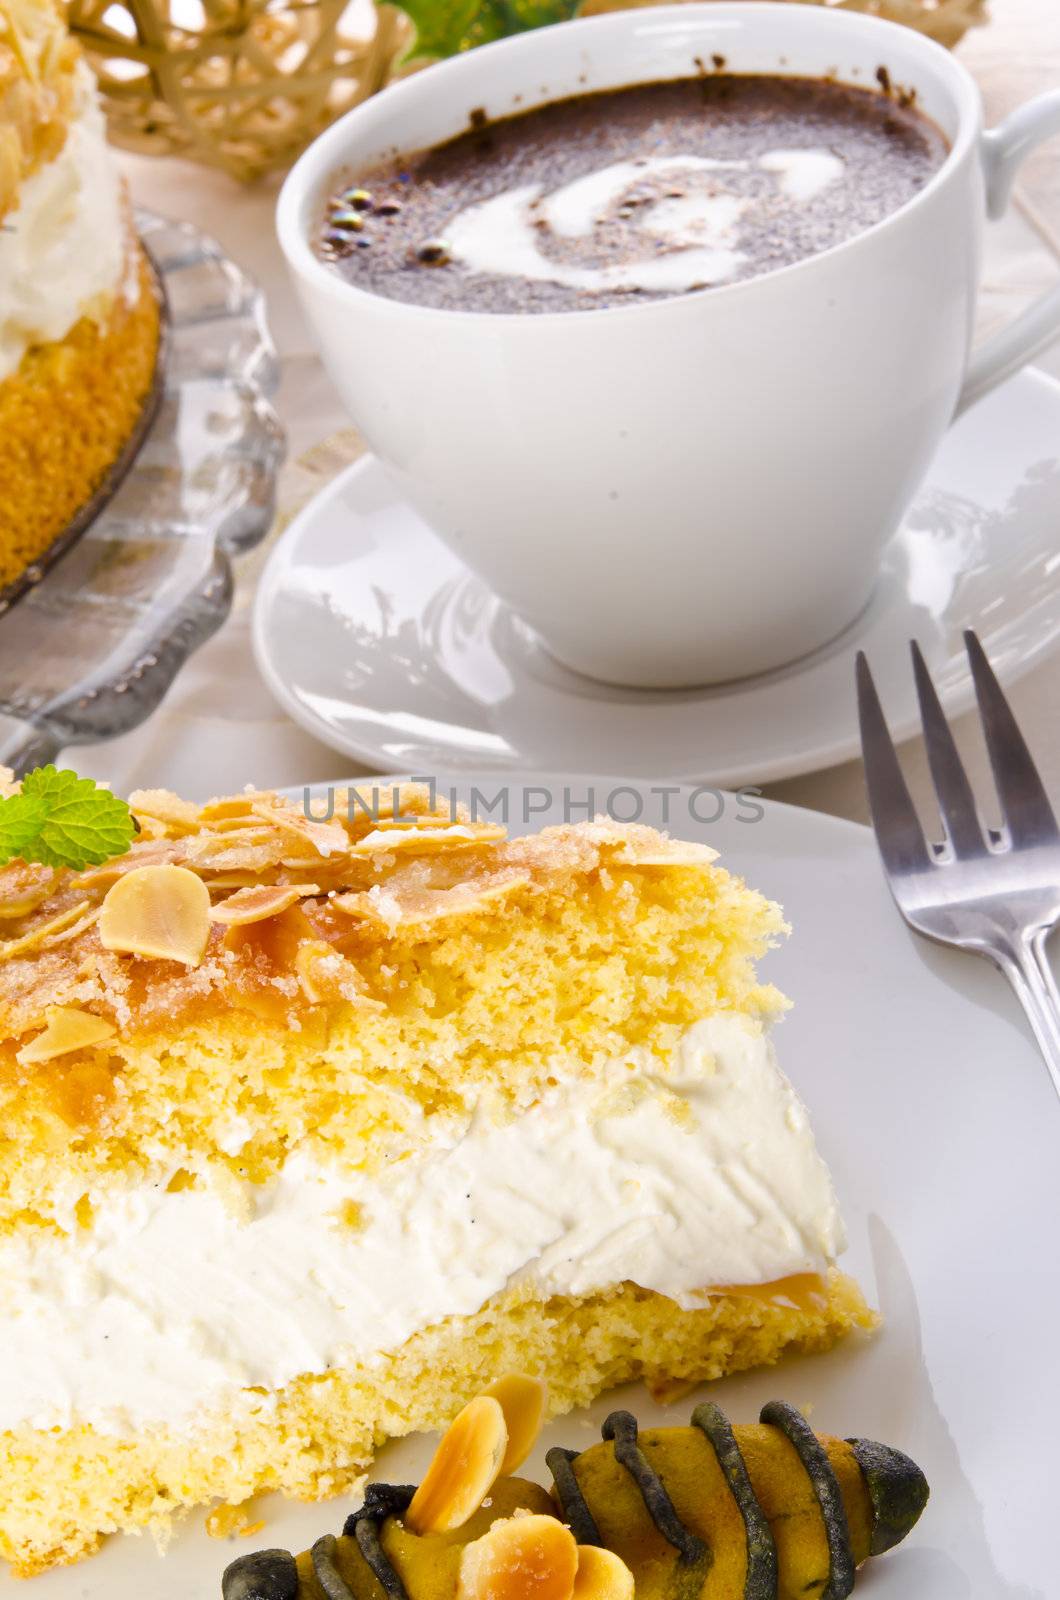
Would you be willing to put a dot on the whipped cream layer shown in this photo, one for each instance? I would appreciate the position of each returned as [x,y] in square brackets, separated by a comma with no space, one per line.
[63,247]
[682,221]
[703,1172]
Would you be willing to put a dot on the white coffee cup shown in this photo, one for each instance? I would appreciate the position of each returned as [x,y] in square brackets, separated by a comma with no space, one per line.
[692,489]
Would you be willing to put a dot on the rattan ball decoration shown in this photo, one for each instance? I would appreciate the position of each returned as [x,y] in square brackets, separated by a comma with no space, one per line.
[246,84]
[946,21]
[239,84]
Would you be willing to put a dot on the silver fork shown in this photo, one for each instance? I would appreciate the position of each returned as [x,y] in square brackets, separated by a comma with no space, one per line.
[995,892]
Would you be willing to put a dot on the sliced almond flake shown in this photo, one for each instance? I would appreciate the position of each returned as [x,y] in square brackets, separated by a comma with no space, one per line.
[153,852]
[386,800]
[23,889]
[231,827]
[215,812]
[672,853]
[257,904]
[418,906]
[523,1400]
[462,900]
[276,940]
[250,835]
[636,844]
[385,805]
[326,838]
[22,906]
[431,820]
[463,1470]
[308,861]
[9,784]
[161,913]
[163,806]
[326,975]
[232,805]
[235,880]
[420,819]
[417,840]
[375,905]
[518,1557]
[150,829]
[75,929]
[605,833]
[43,931]
[602,1575]
[212,855]
[66,1028]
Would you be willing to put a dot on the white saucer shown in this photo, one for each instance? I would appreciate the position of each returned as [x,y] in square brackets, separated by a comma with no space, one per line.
[376,639]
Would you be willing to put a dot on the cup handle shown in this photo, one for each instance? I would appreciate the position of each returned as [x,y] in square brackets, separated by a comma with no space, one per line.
[1003,149]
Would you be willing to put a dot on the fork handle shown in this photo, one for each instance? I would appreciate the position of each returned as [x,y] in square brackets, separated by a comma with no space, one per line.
[1025,964]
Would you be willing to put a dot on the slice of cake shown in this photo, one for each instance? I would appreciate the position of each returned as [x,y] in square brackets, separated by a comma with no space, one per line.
[79,319]
[311,1128]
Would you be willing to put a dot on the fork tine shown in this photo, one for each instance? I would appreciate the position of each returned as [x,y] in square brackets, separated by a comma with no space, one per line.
[952,789]
[1024,802]
[898,831]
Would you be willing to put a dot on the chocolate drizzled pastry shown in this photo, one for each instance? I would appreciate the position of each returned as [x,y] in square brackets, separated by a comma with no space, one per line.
[765,1511]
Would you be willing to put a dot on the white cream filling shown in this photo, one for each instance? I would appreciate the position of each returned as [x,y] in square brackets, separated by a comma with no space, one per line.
[701,1174]
[62,249]
[677,240]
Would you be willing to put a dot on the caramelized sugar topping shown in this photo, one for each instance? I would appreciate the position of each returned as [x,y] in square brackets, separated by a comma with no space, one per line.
[247,902]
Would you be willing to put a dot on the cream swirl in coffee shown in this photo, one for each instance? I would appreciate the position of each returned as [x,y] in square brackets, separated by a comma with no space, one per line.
[633,193]
[689,235]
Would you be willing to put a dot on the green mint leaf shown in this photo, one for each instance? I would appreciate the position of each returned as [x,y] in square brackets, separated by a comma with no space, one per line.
[20,822]
[77,824]
[445,27]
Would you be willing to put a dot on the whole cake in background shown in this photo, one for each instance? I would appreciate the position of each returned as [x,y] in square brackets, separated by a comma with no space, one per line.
[311,1128]
[79,318]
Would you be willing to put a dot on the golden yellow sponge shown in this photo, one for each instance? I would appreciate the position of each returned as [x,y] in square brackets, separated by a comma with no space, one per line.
[318,1437]
[66,414]
[448,960]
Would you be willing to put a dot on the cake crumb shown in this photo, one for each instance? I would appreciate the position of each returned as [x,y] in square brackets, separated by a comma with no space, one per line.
[233,1522]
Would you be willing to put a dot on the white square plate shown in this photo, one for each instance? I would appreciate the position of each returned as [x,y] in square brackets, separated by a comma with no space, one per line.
[941,1128]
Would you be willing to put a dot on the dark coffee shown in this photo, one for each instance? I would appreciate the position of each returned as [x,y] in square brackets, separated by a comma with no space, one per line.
[632,194]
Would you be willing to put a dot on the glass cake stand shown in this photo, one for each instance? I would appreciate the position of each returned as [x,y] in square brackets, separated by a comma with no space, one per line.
[90,644]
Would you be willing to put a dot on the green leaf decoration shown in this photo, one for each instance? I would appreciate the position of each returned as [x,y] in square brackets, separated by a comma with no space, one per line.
[61,820]
[445,27]
[20,823]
